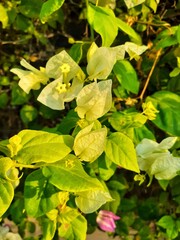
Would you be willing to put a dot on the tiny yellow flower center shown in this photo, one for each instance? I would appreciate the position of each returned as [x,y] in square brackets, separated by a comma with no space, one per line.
[62,87]
[65,68]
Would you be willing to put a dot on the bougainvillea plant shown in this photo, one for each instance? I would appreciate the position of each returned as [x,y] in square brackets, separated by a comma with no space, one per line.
[69,173]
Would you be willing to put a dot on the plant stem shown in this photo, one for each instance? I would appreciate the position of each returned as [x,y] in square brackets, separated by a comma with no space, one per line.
[19,165]
[167,25]
[150,74]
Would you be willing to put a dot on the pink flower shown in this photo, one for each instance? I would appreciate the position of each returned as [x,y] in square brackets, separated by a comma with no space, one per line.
[106,220]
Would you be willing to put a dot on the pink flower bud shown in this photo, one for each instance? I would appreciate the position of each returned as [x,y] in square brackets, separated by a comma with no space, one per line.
[106,220]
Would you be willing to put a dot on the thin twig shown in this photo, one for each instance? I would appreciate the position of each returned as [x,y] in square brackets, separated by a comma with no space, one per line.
[150,74]
[19,165]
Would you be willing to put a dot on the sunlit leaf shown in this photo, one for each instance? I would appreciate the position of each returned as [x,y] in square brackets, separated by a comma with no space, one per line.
[104,22]
[40,146]
[129,31]
[48,228]
[89,144]
[121,120]
[48,8]
[120,150]
[167,103]
[73,224]
[6,196]
[40,195]
[90,201]
[69,175]
[133,3]
[3,16]
[6,184]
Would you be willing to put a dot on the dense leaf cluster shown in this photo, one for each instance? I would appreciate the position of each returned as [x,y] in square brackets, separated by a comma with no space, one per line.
[89,106]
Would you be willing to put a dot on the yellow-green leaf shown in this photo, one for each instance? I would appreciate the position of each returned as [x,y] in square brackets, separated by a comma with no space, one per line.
[120,150]
[89,144]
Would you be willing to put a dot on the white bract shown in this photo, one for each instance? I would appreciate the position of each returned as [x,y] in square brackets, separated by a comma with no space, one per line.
[134,50]
[155,159]
[69,80]
[101,60]
[94,100]
[56,93]
[32,78]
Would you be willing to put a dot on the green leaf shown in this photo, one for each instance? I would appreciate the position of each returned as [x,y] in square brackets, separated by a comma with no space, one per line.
[69,175]
[129,31]
[133,3]
[3,16]
[48,8]
[4,148]
[94,100]
[106,167]
[152,4]
[113,205]
[73,224]
[142,132]
[4,98]
[18,96]
[28,113]
[103,21]
[6,186]
[120,150]
[127,76]
[76,52]
[178,34]
[69,122]
[6,164]
[167,37]
[40,195]
[6,196]
[40,146]
[88,144]
[167,103]
[30,8]
[90,201]
[121,121]
[169,224]
[48,228]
